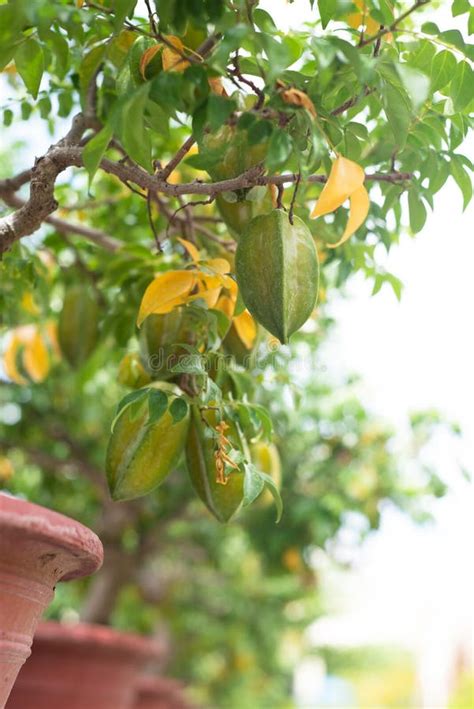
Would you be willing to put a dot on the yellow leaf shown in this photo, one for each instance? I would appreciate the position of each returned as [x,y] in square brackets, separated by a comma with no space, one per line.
[296,97]
[147,56]
[345,177]
[10,360]
[191,249]
[226,305]
[36,358]
[209,295]
[357,19]
[246,328]
[28,303]
[219,265]
[165,293]
[230,285]
[79,3]
[359,209]
[172,60]
[217,87]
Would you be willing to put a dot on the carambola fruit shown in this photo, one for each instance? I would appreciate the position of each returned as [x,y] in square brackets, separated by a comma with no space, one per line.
[278,272]
[141,455]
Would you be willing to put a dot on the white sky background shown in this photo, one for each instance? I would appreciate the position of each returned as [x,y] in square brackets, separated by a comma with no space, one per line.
[413,586]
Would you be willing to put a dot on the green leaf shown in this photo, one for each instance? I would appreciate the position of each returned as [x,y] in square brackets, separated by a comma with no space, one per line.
[60,49]
[189,364]
[462,179]
[442,69]
[7,117]
[397,111]
[279,54]
[459,7]
[273,488]
[423,57]
[416,84]
[279,149]
[157,405]
[122,8]
[135,136]
[127,401]
[396,284]
[219,109]
[178,409]
[263,20]
[95,149]
[259,131]
[417,211]
[327,9]
[462,86]
[430,28]
[29,61]
[88,68]
[253,484]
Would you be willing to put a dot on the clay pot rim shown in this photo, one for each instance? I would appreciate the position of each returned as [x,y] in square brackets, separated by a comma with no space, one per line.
[53,528]
[90,635]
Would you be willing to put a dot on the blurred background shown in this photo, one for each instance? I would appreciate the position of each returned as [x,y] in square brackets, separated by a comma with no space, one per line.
[362,596]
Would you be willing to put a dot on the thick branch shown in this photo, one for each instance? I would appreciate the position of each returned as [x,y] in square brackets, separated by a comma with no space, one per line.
[97,236]
[41,203]
[29,217]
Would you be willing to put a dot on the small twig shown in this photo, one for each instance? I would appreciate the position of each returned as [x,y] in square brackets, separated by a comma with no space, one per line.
[152,225]
[393,26]
[185,148]
[186,206]
[352,101]
[293,199]
[150,17]
[236,72]
[279,199]
[378,44]
[134,189]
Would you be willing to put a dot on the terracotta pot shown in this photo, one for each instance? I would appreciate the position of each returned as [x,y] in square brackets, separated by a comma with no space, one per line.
[160,693]
[82,667]
[38,548]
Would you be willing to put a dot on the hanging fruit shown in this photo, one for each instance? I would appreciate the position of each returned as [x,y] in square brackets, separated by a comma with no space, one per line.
[207,454]
[78,325]
[233,153]
[160,336]
[277,272]
[147,440]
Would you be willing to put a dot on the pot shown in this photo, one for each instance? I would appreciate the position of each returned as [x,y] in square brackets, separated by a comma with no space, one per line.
[160,693]
[82,667]
[38,548]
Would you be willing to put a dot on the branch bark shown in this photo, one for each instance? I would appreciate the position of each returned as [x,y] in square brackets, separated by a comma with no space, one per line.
[97,236]
[67,153]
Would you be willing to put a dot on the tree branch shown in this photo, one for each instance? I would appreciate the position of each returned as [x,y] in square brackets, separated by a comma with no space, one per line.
[41,203]
[393,26]
[67,153]
[100,238]
[185,148]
